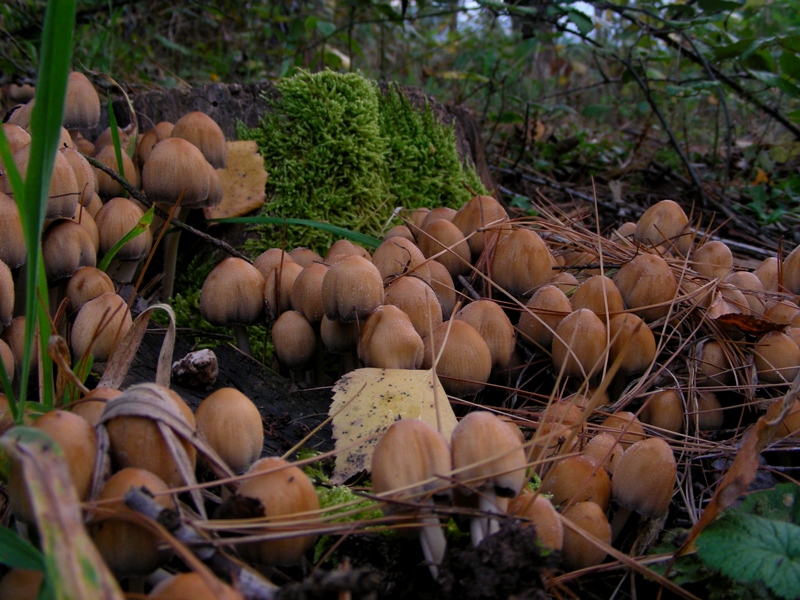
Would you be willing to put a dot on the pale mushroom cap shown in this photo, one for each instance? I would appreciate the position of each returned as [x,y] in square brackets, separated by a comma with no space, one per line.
[664,223]
[418,300]
[489,319]
[86,284]
[307,292]
[713,259]
[294,339]
[521,263]
[443,240]
[647,285]
[398,256]
[66,246]
[442,284]
[7,295]
[645,477]
[577,479]
[479,212]
[12,239]
[351,289]
[579,344]
[600,295]
[631,336]
[114,220]
[545,310]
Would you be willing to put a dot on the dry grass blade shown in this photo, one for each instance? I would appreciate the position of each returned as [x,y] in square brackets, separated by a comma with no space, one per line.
[73,564]
[58,351]
[125,351]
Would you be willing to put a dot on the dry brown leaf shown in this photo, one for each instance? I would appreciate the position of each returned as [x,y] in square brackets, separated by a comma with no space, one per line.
[244,182]
[74,565]
[367,401]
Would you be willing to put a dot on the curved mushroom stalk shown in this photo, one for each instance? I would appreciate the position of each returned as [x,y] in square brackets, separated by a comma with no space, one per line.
[434,544]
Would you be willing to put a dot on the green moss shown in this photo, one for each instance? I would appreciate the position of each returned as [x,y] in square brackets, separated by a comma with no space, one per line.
[340,151]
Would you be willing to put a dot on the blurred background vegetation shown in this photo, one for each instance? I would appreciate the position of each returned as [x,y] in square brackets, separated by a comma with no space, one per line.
[692,99]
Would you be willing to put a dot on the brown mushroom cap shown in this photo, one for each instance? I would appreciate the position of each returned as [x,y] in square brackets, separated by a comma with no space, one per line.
[631,336]
[465,362]
[600,295]
[645,477]
[175,167]
[278,286]
[713,364]
[305,256]
[791,271]
[577,479]
[664,410]
[9,364]
[625,427]
[477,213]
[388,340]
[286,493]
[540,512]
[307,292]
[442,284]
[545,310]
[665,224]
[443,240]
[777,358]
[150,138]
[100,324]
[108,187]
[82,104]
[66,247]
[7,295]
[578,552]
[418,300]
[232,425]
[580,344]
[202,131]
[128,548]
[604,448]
[647,285]
[13,251]
[115,220]
[396,257]
[521,263]
[232,293]
[489,319]
[351,289]
[713,259]
[63,195]
[86,284]
[294,339]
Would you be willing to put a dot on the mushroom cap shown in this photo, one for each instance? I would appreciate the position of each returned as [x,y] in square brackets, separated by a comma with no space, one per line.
[521,263]
[294,340]
[604,448]
[418,300]
[600,295]
[9,364]
[7,295]
[791,271]
[307,292]
[476,213]
[338,337]
[396,257]
[13,251]
[278,285]
[232,293]
[412,460]
[544,311]
[351,289]
[66,247]
[174,167]
[82,104]
[489,319]
[202,131]
[579,344]
[443,240]
[624,426]
[645,477]
[647,285]
[108,187]
[630,335]
[150,138]
[16,136]
[442,284]
[487,456]
[304,256]
[665,224]
[465,362]
[388,340]
[100,324]
[114,221]
[232,425]
[62,198]
[777,358]
[713,364]
[578,552]
[191,586]
[128,548]
[271,259]
[138,442]
[285,493]
[664,410]
[577,479]
[540,512]
[713,259]
[86,284]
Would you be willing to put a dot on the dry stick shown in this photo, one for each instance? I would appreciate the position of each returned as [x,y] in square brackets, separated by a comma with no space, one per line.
[141,197]
[673,140]
[250,584]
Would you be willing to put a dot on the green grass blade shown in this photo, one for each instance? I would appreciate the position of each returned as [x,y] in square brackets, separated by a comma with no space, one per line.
[112,123]
[18,553]
[353,236]
[138,229]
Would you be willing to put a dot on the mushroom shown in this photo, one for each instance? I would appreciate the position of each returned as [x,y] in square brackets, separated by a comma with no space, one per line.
[114,221]
[13,251]
[632,339]
[665,225]
[579,344]
[462,358]
[521,263]
[129,549]
[443,241]
[294,340]
[647,285]
[108,187]
[192,586]
[81,104]
[202,131]
[290,505]
[7,296]
[398,256]
[442,284]
[489,461]
[388,340]
[537,509]
[478,213]
[791,271]
[232,294]
[713,260]
[418,300]
[643,481]
[600,295]
[664,410]
[87,283]
[542,314]
[351,289]
[575,479]
[307,292]
[231,424]
[577,551]
[411,466]
[489,319]
[99,325]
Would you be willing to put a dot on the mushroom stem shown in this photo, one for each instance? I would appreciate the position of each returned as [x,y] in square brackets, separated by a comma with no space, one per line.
[242,341]
[618,522]
[171,256]
[483,526]
[122,271]
[434,544]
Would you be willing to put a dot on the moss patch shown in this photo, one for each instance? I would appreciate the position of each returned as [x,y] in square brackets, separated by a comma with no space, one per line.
[338,150]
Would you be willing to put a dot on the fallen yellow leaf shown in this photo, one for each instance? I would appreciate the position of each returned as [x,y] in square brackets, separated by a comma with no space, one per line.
[367,401]
[243,182]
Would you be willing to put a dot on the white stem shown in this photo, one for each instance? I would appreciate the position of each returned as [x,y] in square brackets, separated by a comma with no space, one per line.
[480,527]
[171,256]
[434,544]
[242,342]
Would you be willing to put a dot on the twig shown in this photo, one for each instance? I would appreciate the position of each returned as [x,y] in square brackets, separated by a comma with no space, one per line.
[141,197]
[251,584]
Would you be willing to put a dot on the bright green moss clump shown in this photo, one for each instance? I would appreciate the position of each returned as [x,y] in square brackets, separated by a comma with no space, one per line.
[338,150]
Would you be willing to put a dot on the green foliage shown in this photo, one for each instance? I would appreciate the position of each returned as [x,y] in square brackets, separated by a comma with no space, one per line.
[751,551]
[341,152]
[18,553]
